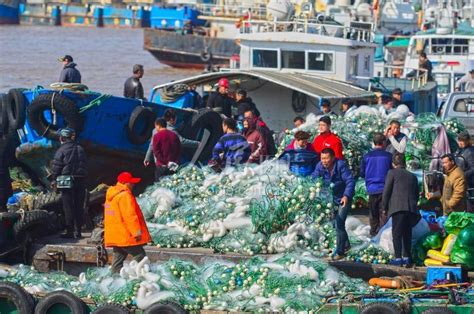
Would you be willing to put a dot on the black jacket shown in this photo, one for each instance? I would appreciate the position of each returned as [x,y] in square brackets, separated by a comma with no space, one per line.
[70,74]
[467,163]
[133,88]
[70,159]
[246,104]
[220,103]
[5,180]
[401,192]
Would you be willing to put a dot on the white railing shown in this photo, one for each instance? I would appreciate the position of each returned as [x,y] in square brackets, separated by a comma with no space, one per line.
[306,26]
[257,10]
[418,80]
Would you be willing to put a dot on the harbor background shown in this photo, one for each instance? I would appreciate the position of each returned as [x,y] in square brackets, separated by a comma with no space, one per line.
[104,56]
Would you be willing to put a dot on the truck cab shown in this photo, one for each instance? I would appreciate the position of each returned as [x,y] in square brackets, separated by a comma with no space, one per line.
[459,105]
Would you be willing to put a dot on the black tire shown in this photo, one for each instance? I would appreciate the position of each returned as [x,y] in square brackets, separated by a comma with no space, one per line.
[63,106]
[438,310]
[144,119]
[22,300]
[381,308]
[4,125]
[16,108]
[165,308]
[212,121]
[34,224]
[111,309]
[48,201]
[65,298]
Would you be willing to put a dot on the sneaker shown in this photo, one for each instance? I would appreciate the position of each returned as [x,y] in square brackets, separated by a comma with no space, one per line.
[337,257]
[396,262]
[406,261]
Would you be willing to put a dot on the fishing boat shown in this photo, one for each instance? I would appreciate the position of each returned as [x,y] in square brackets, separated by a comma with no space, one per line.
[9,12]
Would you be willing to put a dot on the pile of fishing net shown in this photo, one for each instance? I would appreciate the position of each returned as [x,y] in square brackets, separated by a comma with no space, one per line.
[287,282]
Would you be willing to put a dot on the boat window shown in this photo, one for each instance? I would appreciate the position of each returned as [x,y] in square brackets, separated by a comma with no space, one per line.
[367,63]
[443,80]
[292,59]
[450,46]
[354,66]
[320,61]
[265,58]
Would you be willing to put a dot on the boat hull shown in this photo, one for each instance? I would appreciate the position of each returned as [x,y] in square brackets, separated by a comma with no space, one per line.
[9,14]
[189,51]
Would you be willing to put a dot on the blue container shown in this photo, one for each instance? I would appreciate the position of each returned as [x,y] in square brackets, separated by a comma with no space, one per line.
[439,273]
[174,18]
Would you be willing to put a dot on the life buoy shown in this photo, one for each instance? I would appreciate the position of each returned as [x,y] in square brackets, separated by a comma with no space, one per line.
[165,307]
[212,121]
[140,125]
[13,293]
[298,101]
[16,108]
[65,299]
[380,307]
[111,309]
[33,224]
[63,107]
[4,127]
[206,56]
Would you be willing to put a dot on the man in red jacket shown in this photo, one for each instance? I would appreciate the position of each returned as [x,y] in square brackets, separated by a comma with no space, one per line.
[166,149]
[327,139]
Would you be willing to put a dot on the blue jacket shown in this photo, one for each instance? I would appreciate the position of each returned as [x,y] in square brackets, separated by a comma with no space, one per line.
[374,168]
[234,149]
[342,179]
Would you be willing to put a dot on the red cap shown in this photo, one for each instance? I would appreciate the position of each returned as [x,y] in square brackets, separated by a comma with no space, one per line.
[223,82]
[126,177]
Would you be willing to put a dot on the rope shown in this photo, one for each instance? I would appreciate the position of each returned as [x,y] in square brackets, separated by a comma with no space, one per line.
[96,102]
[36,90]
[173,92]
[74,87]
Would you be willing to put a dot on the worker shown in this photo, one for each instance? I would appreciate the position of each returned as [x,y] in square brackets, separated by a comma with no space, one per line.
[244,103]
[374,167]
[232,148]
[347,107]
[220,101]
[69,73]
[336,174]
[166,150]
[453,198]
[423,64]
[400,201]
[265,131]
[69,170]
[5,180]
[326,108]
[298,121]
[256,141]
[396,140]
[125,228]
[301,141]
[467,81]
[327,139]
[300,155]
[397,97]
[465,155]
[133,88]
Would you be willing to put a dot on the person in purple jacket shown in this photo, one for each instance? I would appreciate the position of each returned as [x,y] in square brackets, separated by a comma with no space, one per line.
[374,168]
[337,175]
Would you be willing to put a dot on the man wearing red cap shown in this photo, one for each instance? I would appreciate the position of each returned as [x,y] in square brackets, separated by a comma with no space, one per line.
[125,228]
[220,101]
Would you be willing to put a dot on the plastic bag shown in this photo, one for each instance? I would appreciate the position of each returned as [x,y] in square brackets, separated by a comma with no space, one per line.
[418,254]
[432,240]
[448,244]
[438,256]
[457,221]
[432,262]
[463,250]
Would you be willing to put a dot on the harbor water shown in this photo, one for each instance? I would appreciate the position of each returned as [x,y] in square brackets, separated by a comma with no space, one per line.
[104,56]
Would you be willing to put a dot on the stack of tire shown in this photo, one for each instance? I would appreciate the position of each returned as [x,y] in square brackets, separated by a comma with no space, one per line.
[15,299]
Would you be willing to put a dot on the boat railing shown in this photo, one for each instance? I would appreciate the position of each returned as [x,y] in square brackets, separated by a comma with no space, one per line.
[417,79]
[307,26]
[257,10]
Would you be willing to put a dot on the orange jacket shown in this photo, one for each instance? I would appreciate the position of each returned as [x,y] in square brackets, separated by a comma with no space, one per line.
[123,219]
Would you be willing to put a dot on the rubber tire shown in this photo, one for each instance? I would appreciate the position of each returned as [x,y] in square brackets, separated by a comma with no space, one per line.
[63,106]
[165,308]
[23,300]
[139,115]
[33,223]
[76,305]
[212,121]
[49,201]
[111,309]
[4,125]
[16,108]
[381,307]
[438,310]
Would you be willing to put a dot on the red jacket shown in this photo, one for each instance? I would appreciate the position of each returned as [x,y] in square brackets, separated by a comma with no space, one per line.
[328,140]
[166,147]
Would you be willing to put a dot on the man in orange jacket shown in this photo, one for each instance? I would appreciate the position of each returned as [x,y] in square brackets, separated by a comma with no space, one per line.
[124,226]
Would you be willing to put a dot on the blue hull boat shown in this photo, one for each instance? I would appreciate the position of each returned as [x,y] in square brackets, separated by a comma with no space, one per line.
[9,12]
[114,131]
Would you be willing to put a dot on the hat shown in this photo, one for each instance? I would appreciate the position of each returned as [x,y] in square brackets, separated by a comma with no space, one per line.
[67,58]
[223,82]
[66,132]
[325,119]
[397,91]
[126,177]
